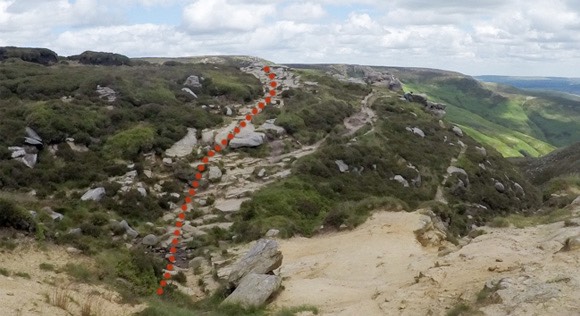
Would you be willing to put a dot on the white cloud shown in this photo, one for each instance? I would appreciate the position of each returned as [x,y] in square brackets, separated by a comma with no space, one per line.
[303,11]
[480,36]
[222,15]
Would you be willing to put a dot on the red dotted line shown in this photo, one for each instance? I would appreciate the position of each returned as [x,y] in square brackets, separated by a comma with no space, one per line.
[202,167]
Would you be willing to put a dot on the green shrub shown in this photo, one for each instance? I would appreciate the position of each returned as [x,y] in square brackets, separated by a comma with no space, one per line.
[14,217]
[129,143]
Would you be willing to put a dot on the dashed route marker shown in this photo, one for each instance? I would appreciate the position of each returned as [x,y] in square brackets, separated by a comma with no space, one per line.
[201,167]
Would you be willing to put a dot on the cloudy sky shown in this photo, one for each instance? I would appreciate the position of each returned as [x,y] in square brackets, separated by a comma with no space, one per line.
[508,37]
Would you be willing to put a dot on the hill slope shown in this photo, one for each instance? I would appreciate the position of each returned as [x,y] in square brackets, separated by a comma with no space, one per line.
[515,122]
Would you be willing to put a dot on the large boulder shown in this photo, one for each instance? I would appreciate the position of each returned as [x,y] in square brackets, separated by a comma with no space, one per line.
[214,173]
[263,258]
[193,82]
[254,290]
[342,166]
[94,194]
[251,139]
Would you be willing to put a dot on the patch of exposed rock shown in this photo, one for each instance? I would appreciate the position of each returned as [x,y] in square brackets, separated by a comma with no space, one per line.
[184,146]
[106,93]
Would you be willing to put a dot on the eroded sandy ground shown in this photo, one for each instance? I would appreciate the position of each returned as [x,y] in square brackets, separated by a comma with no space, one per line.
[380,269]
[36,296]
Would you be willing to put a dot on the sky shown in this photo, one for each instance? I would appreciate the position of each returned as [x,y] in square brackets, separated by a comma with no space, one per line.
[475,37]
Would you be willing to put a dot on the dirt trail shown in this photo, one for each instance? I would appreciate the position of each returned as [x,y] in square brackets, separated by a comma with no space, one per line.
[366,115]
[380,269]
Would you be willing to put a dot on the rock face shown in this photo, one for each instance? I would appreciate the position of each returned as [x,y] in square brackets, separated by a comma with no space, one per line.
[106,93]
[184,146]
[94,194]
[263,258]
[343,167]
[254,290]
[432,232]
[193,82]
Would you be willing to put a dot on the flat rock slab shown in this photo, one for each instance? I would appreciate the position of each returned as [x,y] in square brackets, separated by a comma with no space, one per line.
[184,146]
[254,290]
[229,206]
[264,257]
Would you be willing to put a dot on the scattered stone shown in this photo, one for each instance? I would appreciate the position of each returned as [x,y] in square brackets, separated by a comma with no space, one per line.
[343,167]
[142,191]
[270,126]
[53,215]
[272,233]
[519,190]
[106,93]
[131,233]
[262,173]
[73,251]
[94,195]
[499,187]
[214,173]
[33,214]
[418,131]
[148,173]
[401,180]
[192,81]
[457,131]
[576,201]
[167,161]
[150,240]
[254,290]
[481,150]
[229,111]
[188,91]
[263,258]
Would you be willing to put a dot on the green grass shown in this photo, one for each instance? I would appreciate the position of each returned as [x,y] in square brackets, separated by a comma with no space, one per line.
[522,221]
[500,123]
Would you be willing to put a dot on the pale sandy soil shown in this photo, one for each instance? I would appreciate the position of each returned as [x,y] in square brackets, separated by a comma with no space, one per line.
[372,270]
[23,296]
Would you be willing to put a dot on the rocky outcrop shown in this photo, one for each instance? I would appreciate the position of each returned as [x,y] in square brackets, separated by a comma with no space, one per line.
[106,93]
[436,109]
[28,153]
[263,258]
[193,82]
[184,146]
[254,290]
[432,232]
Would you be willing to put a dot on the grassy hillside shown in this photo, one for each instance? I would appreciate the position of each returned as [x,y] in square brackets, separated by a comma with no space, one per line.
[566,85]
[515,122]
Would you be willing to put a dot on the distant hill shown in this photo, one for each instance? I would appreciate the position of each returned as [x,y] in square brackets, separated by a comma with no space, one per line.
[516,122]
[568,85]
